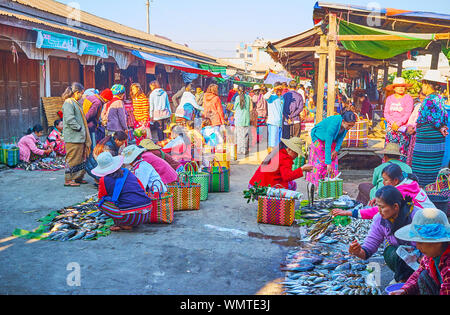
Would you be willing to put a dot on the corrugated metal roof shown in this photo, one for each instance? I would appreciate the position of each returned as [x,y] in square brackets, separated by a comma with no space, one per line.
[104,38]
[60,9]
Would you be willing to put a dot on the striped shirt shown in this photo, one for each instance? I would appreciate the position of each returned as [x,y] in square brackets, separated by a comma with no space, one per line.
[141,108]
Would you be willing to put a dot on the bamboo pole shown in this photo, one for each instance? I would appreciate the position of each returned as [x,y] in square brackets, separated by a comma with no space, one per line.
[331,65]
[321,79]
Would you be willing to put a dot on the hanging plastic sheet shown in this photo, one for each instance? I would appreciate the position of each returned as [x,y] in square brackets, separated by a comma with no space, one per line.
[381,49]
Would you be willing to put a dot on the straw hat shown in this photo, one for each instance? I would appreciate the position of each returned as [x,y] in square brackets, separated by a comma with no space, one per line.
[391,149]
[256,87]
[398,82]
[428,226]
[107,164]
[434,76]
[295,144]
[149,145]
[131,152]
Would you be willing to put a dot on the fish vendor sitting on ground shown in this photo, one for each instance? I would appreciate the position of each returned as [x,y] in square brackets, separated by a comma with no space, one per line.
[122,196]
[55,139]
[406,183]
[156,150]
[146,173]
[29,150]
[430,231]
[276,169]
[395,212]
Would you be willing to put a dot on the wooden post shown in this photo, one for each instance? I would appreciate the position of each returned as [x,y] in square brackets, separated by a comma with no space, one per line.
[386,74]
[321,79]
[331,65]
[399,68]
[435,57]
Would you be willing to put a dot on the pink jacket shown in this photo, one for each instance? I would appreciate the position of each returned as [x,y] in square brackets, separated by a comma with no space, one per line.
[407,188]
[27,144]
[398,110]
[167,173]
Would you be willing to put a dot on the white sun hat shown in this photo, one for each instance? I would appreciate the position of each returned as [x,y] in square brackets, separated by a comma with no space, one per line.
[107,164]
[434,76]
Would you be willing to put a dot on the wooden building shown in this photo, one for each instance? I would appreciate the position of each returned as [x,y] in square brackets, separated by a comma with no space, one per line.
[46,45]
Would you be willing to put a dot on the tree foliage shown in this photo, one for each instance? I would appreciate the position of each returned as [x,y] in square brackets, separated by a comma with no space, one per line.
[413,77]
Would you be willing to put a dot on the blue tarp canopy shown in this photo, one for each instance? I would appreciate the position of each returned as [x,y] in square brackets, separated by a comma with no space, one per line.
[273,78]
[177,63]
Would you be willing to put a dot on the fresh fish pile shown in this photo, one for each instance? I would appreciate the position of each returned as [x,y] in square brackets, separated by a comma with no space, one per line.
[81,222]
[323,269]
[50,164]
[323,265]
[357,230]
[321,227]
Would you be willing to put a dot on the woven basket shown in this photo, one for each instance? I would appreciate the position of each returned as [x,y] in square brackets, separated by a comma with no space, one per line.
[52,105]
[198,177]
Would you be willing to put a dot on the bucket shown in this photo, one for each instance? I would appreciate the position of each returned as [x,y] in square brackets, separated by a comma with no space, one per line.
[394,287]
[441,202]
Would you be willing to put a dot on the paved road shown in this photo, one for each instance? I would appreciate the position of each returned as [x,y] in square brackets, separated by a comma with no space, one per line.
[217,250]
[203,252]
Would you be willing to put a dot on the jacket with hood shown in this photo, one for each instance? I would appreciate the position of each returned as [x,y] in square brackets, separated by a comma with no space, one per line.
[213,109]
[407,187]
[159,105]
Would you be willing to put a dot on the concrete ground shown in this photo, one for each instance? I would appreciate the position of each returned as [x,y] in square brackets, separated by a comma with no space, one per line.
[219,250]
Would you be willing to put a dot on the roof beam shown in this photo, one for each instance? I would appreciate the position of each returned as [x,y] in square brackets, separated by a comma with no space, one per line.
[388,37]
[299,37]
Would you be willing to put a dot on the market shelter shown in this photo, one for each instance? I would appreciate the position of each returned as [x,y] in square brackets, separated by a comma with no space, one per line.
[342,39]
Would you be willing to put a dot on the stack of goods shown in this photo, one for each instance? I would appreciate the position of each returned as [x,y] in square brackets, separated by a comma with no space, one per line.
[358,136]
[80,222]
[9,154]
[378,131]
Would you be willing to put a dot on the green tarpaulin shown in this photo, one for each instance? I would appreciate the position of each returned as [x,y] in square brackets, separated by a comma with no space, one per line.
[215,69]
[383,49]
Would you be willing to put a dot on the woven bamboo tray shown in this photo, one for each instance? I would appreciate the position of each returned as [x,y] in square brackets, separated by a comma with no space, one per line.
[52,105]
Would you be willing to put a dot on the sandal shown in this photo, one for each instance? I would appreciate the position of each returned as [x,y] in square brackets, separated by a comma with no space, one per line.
[82,182]
[71,184]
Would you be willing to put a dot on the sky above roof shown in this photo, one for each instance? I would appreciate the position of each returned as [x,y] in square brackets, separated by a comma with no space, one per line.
[216,27]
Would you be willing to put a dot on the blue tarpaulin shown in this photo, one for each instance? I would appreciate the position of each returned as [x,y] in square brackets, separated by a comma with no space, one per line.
[273,78]
[177,63]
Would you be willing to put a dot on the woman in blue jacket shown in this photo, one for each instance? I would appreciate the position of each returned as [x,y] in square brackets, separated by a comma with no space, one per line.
[327,137]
